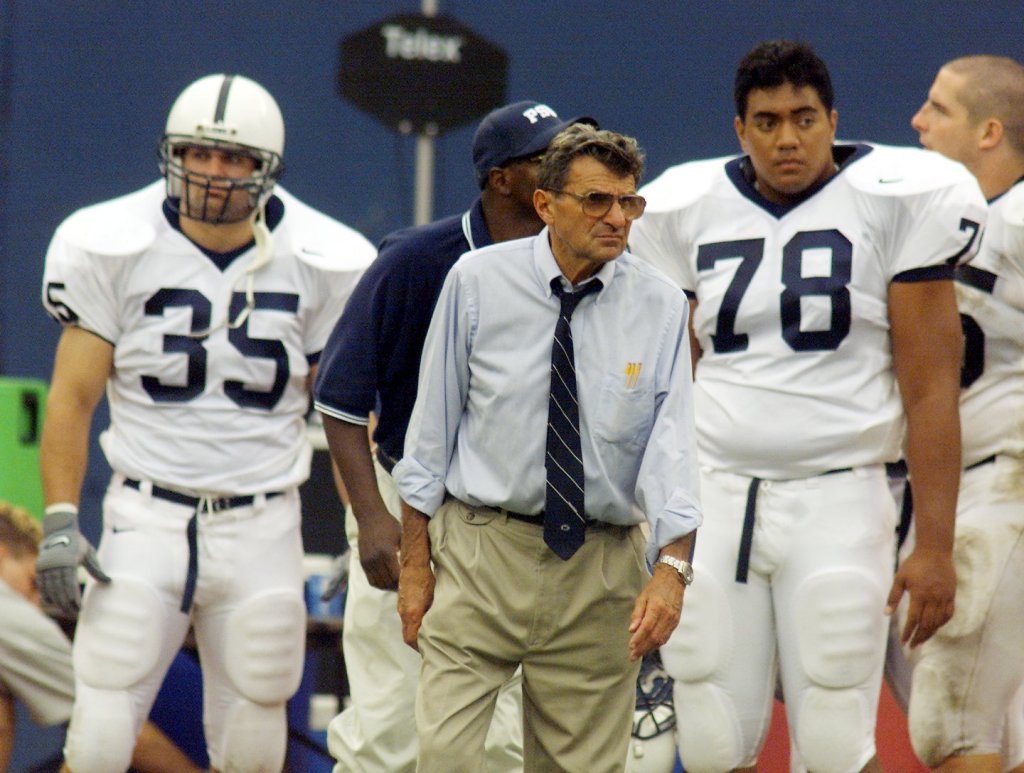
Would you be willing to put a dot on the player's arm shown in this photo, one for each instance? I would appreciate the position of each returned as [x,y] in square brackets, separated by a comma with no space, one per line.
[927,343]
[81,367]
[379,531]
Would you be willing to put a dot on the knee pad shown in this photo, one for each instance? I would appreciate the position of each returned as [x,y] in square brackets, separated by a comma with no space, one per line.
[265,645]
[709,734]
[934,725]
[835,731]
[976,557]
[102,733]
[119,638]
[841,628]
[254,739]
[698,646]
[841,634]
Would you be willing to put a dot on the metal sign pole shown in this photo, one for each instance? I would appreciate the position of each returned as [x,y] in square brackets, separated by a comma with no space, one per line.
[423,185]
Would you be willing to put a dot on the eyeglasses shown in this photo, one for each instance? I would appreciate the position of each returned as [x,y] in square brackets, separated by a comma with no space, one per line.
[599,204]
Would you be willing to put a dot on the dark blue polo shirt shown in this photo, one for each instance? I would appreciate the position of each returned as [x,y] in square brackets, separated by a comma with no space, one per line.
[371,361]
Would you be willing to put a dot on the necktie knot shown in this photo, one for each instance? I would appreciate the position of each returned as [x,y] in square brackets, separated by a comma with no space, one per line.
[571,298]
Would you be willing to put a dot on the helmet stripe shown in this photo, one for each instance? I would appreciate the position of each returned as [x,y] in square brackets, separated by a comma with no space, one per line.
[222,99]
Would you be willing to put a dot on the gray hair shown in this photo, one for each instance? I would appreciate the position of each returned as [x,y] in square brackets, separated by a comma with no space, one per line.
[621,154]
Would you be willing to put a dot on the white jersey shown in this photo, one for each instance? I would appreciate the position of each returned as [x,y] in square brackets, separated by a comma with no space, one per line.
[223,413]
[990,295]
[795,376]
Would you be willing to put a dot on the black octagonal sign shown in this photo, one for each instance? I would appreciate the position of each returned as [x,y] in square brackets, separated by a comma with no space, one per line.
[411,70]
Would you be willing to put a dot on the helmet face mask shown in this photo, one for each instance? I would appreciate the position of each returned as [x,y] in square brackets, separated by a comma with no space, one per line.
[229,114]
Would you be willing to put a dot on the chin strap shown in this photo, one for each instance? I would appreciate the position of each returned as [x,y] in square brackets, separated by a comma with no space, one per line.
[264,254]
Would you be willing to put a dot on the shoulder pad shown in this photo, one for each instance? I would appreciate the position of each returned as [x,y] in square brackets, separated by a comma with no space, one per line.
[1013,206]
[681,185]
[115,228]
[904,171]
[322,242]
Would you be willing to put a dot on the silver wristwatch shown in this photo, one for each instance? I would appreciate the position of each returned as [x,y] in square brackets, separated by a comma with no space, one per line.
[683,567]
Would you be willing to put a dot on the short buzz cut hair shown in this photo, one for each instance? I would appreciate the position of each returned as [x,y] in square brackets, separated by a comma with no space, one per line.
[776,62]
[621,154]
[19,531]
[994,89]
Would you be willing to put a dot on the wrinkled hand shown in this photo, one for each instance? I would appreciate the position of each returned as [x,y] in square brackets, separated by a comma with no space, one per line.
[415,595]
[63,548]
[378,550]
[656,612]
[337,579]
[930,578]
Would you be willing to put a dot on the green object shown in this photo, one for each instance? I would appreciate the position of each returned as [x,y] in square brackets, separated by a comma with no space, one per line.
[22,406]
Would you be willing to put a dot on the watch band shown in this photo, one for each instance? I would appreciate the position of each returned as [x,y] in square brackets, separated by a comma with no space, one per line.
[683,567]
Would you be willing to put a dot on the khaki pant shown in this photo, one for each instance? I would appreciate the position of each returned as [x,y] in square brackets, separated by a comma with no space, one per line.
[503,599]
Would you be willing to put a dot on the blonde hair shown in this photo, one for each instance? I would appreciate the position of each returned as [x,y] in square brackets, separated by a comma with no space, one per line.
[19,531]
[995,89]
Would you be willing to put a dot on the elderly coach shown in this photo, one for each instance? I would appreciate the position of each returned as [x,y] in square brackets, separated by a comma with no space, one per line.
[530,463]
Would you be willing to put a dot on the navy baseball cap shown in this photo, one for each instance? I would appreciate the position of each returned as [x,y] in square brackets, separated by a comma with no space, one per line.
[518,130]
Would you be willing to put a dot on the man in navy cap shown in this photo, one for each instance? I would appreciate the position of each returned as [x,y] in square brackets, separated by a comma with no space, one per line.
[370,364]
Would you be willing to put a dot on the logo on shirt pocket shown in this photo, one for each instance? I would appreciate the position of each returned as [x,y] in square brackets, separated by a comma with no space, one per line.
[633,374]
[625,408]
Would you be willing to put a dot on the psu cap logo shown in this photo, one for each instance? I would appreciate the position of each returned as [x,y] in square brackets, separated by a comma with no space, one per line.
[537,112]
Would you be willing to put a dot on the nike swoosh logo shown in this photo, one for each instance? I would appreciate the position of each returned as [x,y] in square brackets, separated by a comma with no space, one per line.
[892,180]
[120,529]
[62,540]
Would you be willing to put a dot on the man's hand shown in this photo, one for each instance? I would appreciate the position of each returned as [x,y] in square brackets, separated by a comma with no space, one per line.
[415,595]
[656,612]
[379,540]
[63,548]
[930,578]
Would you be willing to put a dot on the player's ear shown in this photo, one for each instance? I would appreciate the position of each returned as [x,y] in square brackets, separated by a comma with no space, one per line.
[991,134]
[741,132]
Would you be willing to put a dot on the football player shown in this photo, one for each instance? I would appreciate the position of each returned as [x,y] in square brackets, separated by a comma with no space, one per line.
[965,677]
[820,278]
[200,304]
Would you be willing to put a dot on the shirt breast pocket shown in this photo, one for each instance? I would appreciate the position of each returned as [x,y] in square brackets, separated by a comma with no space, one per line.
[624,414]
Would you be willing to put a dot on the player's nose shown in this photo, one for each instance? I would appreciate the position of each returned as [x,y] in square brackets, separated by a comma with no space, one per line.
[917,122]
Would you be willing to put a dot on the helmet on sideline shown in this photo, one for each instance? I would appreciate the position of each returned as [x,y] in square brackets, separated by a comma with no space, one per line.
[230,113]
[652,747]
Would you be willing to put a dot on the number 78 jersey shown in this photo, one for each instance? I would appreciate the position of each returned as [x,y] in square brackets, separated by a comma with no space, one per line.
[795,376]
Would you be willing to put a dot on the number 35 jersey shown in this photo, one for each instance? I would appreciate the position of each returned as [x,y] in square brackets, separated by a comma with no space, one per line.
[795,376]
[221,412]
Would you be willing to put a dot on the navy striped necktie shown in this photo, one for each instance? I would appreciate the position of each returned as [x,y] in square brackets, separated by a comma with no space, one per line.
[564,517]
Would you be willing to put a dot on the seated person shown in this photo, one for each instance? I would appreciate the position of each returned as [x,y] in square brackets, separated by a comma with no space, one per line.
[35,655]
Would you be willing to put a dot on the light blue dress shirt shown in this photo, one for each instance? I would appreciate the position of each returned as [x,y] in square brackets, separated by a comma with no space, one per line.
[479,427]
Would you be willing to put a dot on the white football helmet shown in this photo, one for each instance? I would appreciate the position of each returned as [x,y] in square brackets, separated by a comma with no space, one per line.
[652,747]
[228,112]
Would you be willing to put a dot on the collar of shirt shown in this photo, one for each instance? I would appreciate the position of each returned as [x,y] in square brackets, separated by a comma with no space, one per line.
[474,226]
[547,268]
